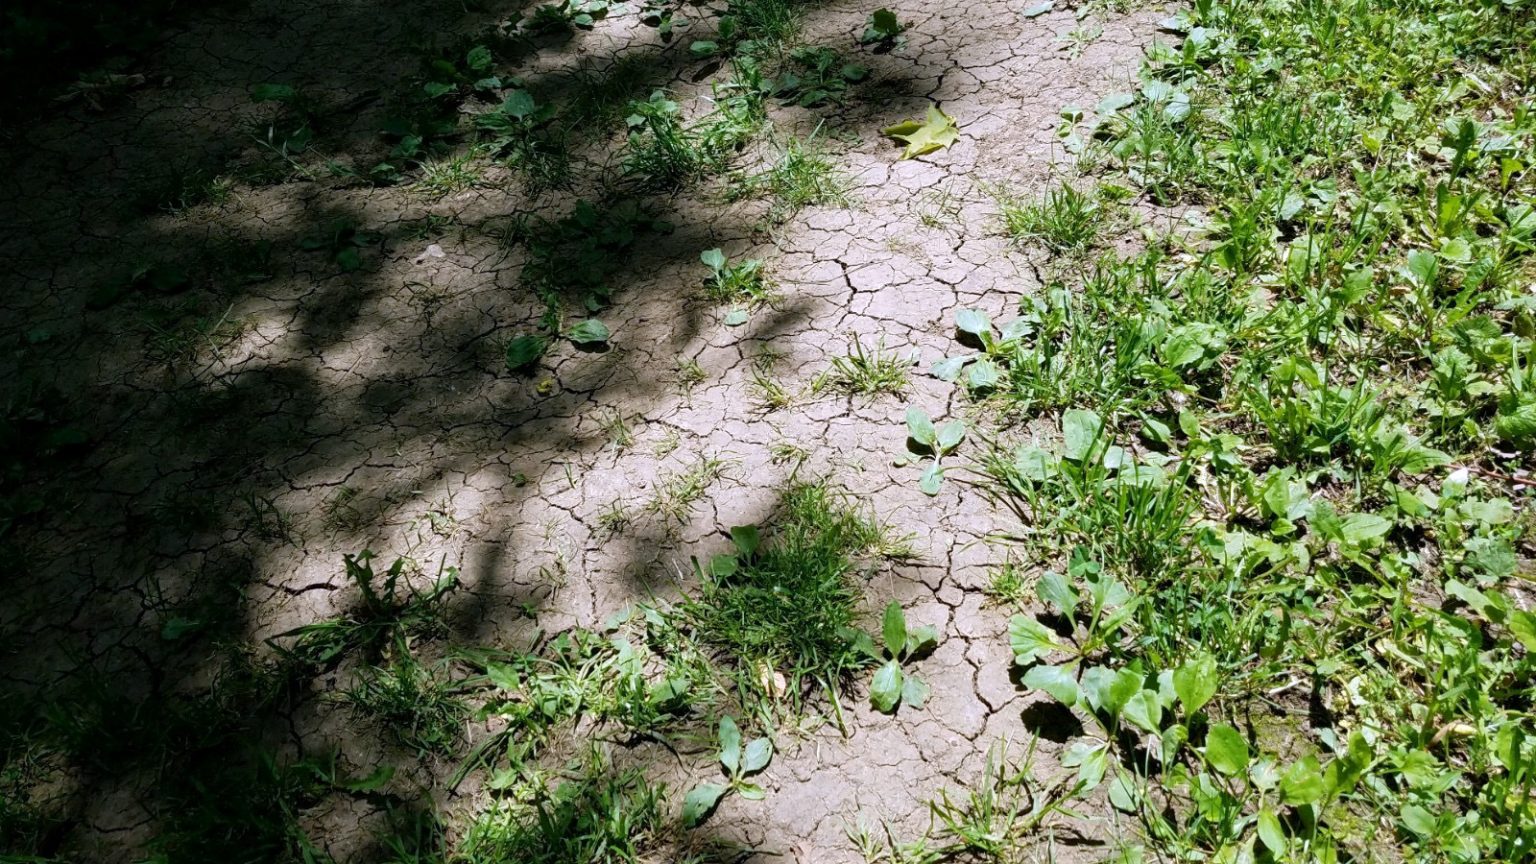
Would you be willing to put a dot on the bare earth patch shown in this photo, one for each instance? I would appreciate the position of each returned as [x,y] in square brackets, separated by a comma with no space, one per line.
[252,367]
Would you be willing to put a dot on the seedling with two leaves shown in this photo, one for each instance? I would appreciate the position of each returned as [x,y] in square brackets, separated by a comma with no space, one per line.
[514,124]
[894,686]
[565,15]
[524,350]
[342,241]
[1094,607]
[934,441]
[448,76]
[883,30]
[984,374]
[818,76]
[739,762]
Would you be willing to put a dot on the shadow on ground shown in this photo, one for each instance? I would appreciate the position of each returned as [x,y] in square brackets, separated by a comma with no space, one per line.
[227,365]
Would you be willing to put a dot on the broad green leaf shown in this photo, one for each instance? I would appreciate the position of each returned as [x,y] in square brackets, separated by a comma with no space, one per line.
[1195,682]
[1342,774]
[478,59]
[1145,710]
[1271,832]
[272,93]
[1052,588]
[730,744]
[932,479]
[746,540]
[525,350]
[1107,690]
[920,639]
[973,321]
[1302,783]
[374,781]
[1226,750]
[863,643]
[1423,267]
[751,791]
[349,259]
[1173,740]
[700,802]
[670,691]
[1523,625]
[1264,773]
[177,627]
[885,692]
[950,435]
[984,375]
[948,369]
[1055,680]
[1123,794]
[935,133]
[1030,639]
[503,677]
[914,692]
[1113,103]
[1081,429]
[1358,529]
[1039,9]
[735,318]
[1418,820]
[703,48]
[1516,423]
[1033,463]
[589,332]
[1125,685]
[894,628]
[714,259]
[756,757]
[1090,758]
[920,428]
[882,26]
[519,104]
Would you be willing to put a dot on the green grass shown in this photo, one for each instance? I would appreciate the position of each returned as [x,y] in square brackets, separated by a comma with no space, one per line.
[663,152]
[449,175]
[597,99]
[388,609]
[678,492]
[1266,514]
[415,706]
[600,814]
[743,281]
[867,371]
[1065,219]
[768,391]
[791,607]
[177,337]
[802,176]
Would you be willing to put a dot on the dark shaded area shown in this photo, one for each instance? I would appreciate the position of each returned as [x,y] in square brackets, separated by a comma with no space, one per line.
[45,45]
[141,494]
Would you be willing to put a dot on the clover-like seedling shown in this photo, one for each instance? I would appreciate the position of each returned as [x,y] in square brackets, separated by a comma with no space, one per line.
[739,763]
[893,686]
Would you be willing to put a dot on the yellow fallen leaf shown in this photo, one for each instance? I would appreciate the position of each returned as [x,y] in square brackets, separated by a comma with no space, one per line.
[937,133]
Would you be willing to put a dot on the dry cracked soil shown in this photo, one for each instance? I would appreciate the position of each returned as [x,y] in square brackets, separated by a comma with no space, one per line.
[261,411]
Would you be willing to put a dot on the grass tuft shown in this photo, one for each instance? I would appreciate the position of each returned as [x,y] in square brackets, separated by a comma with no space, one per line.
[791,606]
